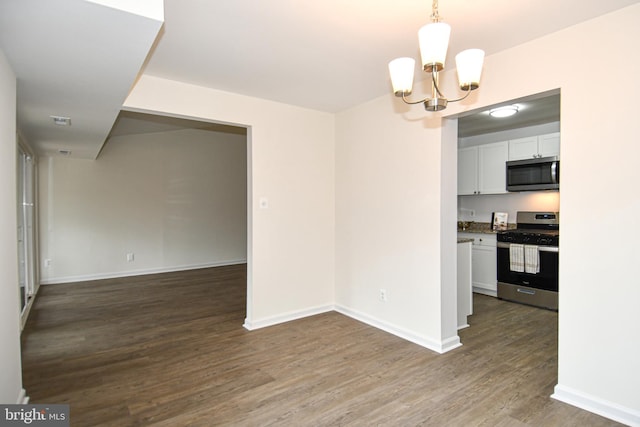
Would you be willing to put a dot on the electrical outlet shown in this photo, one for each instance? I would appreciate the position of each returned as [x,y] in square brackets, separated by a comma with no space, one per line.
[383,295]
[130,257]
[47,262]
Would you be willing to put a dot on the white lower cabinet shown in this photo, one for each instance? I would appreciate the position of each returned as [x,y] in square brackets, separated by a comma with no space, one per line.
[483,263]
[465,298]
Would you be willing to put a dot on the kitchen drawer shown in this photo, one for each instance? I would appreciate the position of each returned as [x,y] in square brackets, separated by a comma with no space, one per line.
[482,239]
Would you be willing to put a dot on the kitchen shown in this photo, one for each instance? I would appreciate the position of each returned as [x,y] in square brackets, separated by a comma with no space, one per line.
[493,221]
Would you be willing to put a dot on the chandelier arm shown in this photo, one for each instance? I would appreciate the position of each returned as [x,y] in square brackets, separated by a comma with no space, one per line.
[460,99]
[406,101]
[435,85]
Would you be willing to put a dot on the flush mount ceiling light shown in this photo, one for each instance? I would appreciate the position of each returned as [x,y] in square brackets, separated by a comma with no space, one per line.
[434,42]
[502,112]
[61,121]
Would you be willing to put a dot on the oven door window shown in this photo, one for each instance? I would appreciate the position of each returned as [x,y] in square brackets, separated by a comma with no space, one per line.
[546,279]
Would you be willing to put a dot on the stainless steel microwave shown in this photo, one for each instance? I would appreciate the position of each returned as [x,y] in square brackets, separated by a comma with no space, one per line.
[533,174]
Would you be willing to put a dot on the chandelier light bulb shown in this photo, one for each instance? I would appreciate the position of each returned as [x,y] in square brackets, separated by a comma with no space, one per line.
[434,42]
[401,71]
[469,65]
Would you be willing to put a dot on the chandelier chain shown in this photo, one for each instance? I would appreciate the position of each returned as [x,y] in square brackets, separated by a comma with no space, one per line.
[435,15]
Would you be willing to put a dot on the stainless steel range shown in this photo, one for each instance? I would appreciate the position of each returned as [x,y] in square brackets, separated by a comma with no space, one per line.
[528,260]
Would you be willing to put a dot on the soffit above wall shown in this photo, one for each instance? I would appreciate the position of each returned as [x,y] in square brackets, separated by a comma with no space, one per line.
[134,123]
[76,59]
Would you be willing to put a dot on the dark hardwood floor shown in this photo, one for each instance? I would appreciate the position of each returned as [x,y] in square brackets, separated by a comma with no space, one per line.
[170,350]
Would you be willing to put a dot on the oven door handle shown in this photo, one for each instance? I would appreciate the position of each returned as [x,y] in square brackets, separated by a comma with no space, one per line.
[540,248]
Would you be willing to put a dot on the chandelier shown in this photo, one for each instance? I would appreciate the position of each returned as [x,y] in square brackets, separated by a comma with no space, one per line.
[433,39]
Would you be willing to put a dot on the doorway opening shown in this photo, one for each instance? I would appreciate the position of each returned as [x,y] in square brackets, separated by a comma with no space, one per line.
[165,194]
[137,121]
[484,145]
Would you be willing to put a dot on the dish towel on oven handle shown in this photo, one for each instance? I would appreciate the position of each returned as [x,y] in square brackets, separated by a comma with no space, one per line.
[531,259]
[516,257]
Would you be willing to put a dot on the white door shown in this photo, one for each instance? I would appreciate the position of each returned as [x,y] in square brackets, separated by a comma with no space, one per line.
[26,227]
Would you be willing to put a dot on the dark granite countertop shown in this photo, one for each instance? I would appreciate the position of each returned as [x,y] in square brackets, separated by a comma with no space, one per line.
[479,227]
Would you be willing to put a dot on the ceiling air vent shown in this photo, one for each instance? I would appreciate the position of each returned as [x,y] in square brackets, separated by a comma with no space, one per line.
[61,121]
[64,152]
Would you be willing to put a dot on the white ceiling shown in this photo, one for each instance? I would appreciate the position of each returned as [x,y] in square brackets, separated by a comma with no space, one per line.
[327,55]
[533,110]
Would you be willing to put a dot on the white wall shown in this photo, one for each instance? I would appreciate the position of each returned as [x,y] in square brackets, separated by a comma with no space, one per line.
[484,205]
[10,365]
[392,185]
[598,318]
[599,337]
[291,158]
[388,198]
[174,199]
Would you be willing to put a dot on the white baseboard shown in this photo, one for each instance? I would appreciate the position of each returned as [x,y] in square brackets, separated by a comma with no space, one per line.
[287,317]
[429,343]
[23,399]
[483,291]
[113,275]
[596,405]
[24,315]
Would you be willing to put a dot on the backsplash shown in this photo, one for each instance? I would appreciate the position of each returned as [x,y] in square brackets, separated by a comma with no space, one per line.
[479,208]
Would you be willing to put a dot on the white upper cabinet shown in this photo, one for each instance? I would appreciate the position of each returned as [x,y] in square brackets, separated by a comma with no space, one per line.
[468,171]
[492,175]
[481,169]
[523,148]
[535,146]
[549,144]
